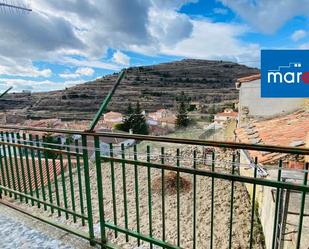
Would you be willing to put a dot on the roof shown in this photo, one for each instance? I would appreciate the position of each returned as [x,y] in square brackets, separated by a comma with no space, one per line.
[113,115]
[44,123]
[34,170]
[247,79]
[227,114]
[169,119]
[287,130]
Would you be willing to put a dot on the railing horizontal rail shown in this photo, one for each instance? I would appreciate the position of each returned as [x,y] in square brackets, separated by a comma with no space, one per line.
[43,148]
[230,177]
[143,237]
[43,202]
[63,227]
[230,145]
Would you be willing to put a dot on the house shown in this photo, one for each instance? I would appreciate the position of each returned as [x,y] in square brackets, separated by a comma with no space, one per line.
[169,121]
[222,118]
[44,123]
[105,142]
[163,117]
[285,130]
[251,105]
[159,114]
[113,117]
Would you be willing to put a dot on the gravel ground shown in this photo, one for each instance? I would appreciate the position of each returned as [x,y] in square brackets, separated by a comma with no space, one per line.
[241,211]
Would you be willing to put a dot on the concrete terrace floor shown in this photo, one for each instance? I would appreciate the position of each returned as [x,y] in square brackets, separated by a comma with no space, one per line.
[18,230]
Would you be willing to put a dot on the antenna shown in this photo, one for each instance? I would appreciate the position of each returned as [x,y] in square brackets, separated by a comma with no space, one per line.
[5,92]
[10,6]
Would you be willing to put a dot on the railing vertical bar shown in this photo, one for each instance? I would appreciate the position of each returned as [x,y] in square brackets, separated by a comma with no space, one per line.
[113,188]
[16,165]
[149,195]
[11,164]
[163,194]
[100,187]
[124,185]
[56,184]
[274,242]
[80,184]
[64,187]
[232,202]
[194,200]
[23,174]
[71,178]
[3,181]
[28,169]
[88,190]
[6,163]
[136,193]
[37,142]
[212,200]
[50,195]
[34,171]
[253,204]
[178,196]
[302,208]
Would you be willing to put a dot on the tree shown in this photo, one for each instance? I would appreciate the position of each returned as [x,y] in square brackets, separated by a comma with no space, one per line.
[182,117]
[138,124]
[51,142]
[134,120]
[130,109]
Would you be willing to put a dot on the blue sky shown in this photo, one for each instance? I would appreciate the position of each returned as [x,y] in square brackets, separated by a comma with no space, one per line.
[63,43]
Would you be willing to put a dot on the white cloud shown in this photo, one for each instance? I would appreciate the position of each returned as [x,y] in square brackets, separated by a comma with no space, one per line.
[216,41]
[35,86]
[298,34]
[25,69]
[87,29]
[80,72]
[121,58]
[220,11]
[168,26]
[268,15]
[85,71]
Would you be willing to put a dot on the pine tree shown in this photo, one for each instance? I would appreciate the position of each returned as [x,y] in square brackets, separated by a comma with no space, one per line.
[182,117]
[128,120]
[139,124]
[135,120]
[130,110]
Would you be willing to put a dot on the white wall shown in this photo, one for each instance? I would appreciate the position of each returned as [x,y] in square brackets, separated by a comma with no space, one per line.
[250,96]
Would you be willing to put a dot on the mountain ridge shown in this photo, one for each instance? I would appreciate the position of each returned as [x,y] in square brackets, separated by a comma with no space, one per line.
[155,86]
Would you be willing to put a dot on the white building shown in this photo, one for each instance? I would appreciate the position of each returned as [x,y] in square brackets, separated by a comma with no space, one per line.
[251,104]
[223,117]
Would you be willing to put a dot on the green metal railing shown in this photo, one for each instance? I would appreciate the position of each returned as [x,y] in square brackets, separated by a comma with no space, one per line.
[109,194]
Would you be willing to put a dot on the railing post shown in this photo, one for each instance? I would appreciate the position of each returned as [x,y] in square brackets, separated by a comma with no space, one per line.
[274,242]
[100,188]
[88,190]
[302,208]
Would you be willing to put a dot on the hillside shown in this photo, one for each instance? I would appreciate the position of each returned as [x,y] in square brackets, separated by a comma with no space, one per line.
[156,86]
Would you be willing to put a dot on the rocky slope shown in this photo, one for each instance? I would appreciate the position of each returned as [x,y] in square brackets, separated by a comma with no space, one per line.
[154,86]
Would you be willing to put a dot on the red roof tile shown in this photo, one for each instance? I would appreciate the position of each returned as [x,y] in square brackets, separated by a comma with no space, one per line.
[288,130]
[34,170]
